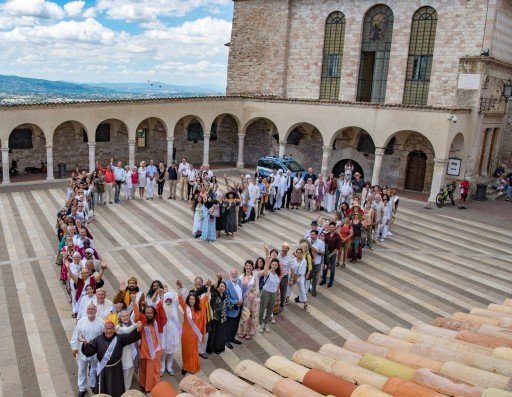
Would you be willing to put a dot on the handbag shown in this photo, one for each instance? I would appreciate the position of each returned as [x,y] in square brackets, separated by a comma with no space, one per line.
[246,314]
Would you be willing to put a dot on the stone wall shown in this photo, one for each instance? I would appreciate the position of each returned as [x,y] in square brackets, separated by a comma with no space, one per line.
[156,144]
[308,152]
[30,157]
[502,39]
[416,142]
[257,49]
[259,142]
[185,148]
[69,147]
[225,148]
[261,68]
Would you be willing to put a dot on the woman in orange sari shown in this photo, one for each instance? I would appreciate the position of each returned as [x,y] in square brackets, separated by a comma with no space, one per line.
[194,327]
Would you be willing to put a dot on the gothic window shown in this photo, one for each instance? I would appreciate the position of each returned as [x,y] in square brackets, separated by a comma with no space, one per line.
[103,133]
[142,136]
[421,51]
[375,50]
[333,54]
[195,132]
[294,137]
[365,144]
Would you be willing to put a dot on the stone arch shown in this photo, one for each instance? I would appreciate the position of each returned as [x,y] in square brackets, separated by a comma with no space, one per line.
[27,144]
[151,140]
[339,168]
[261,139]
[188,138]
[346,144]
[304,142]
[396,166]
[116,146]
[70,144]
[224,139]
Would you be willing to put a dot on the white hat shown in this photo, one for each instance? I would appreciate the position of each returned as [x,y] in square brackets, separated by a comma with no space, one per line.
[247,176]
[280,171]
[89,250]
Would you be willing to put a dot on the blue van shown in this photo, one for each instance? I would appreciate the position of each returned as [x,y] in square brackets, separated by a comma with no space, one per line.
[266,165]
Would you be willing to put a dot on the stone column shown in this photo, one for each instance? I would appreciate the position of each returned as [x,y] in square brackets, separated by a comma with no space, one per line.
[92,156]
[326,157]
[282,148]
[131,153]
[379,153]
[170,148]
[206,149]
[240,162]
[437,178]
[49,163]
[5,166]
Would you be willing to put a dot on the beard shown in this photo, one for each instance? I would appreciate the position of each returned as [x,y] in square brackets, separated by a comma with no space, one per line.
[132,288]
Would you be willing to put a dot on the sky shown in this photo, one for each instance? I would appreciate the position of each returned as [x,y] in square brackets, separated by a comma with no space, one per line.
[117,41]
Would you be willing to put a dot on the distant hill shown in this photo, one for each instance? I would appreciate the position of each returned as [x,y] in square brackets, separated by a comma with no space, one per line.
[14,89]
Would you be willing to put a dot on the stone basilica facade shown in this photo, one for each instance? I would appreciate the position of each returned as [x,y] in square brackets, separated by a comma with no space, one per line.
[410,91]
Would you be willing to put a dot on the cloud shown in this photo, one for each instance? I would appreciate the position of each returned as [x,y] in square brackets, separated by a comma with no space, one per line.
[74,8]
[146,11]
[33,8]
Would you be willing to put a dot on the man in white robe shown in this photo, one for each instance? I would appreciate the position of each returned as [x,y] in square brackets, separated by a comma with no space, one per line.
[252,197]
[89,327]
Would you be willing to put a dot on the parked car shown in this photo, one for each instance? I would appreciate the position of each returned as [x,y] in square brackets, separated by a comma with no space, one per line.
[266,165]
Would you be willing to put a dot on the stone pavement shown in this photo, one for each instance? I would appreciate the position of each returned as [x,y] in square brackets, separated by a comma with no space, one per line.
[439,261]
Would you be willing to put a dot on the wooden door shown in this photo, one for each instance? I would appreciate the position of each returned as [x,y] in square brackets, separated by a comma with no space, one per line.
[416,168]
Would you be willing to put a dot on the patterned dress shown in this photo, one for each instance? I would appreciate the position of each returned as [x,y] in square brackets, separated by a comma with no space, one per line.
[250,290]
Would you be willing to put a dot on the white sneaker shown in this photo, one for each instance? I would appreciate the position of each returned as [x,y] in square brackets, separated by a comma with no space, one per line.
[267,328]
[261,329]
[381,240]
[161,373]
[170,372]
[390,234]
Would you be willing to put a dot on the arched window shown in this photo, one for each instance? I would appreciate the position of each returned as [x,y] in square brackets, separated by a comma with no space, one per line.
[333,54]
[375,49]
[421,51]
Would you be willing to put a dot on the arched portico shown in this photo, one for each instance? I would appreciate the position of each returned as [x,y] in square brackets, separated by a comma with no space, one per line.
[150,142]
[73,145]
[260,137]
[223,142]
[111,141]
[189,134]
[304,142]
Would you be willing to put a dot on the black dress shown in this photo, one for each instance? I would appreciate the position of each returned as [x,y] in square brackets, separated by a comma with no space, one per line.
[111,379]
[231,221]
[217,335]
[221,220]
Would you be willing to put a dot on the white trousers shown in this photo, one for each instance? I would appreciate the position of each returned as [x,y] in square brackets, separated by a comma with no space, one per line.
[82,373]
[382,230]
[301,283]
[128,375]
[166,362]
[248,212]
[150,187]
[202,345]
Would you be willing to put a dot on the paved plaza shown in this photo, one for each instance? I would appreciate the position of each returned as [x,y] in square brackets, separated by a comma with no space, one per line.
[439,261]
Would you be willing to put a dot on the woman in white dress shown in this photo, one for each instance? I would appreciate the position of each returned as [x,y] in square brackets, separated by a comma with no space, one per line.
[197,209]
[128,184]
[330,193]
[125,326]
[142,179]
[301,267]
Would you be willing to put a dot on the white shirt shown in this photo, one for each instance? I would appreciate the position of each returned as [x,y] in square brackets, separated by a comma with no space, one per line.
[301,269]
[319,245]
[252,195]
[237,289]
[103,309]
[89,329]
[286,263]
[192,174]
[84,302]
[271,283]
[183,169]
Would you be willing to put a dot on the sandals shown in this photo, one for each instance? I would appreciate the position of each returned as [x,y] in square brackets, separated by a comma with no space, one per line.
[337,264]
[306,307]
[343,264]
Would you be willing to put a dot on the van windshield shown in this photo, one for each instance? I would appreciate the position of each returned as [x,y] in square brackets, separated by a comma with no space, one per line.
[293,166]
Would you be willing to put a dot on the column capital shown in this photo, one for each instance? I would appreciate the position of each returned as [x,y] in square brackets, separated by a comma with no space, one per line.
[5,150]
[241,136]
[91,144]
[282,142]
[207,135]
[379,151]
[326,149]
[170,139]
[49,146]
[440,160]
[131,142]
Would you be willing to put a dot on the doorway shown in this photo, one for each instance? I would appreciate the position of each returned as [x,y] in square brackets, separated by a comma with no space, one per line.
[416,168]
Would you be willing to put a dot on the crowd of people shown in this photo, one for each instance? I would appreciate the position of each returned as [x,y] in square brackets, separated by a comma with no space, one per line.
[503,183]
[137,333]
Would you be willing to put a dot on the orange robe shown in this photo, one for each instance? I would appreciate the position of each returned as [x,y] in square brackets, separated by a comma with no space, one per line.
[189,347]
[149,374]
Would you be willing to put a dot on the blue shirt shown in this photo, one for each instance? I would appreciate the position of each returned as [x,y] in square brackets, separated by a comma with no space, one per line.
[263,189]
[119,173]
[151,170]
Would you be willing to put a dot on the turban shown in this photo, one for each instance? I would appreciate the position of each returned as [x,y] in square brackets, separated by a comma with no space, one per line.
[169,295]
[132,279]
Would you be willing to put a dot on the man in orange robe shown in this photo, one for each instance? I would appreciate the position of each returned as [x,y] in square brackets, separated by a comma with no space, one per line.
[153,322]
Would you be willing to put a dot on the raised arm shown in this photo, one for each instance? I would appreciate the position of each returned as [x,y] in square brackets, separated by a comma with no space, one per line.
[97,276]
[72,275]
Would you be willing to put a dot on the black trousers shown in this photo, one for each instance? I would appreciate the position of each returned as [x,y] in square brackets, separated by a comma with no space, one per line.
[232,326]
[287,197]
